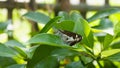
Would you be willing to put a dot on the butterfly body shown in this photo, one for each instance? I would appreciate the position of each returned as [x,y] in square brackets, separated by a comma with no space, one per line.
[70,37]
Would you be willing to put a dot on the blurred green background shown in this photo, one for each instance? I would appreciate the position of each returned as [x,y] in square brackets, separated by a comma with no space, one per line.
[22,28]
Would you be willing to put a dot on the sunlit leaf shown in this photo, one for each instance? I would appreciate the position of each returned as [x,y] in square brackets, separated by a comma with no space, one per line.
[97,49]
[103,13]
[107,53]
[37,17]
[117,28]
[104,24]
[114,57]
[82,28]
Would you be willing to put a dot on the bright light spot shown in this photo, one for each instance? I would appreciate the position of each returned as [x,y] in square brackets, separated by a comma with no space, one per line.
[10,27]
[95,2]
[22,11]
[22,1]
[3,0]
[75,2]
[40,1]
[3,37]
[3,14]
[114,2]
[49,1]
[90,14]
[97,48]
[95,63]
[109,31]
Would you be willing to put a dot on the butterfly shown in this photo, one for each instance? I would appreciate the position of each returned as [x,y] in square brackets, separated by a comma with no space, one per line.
[70,37]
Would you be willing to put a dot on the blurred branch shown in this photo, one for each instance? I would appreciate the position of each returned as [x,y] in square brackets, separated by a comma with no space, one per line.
[10,15]
[32,7]
[43,6]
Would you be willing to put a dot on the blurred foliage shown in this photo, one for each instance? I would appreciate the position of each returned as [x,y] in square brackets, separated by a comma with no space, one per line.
[99,48]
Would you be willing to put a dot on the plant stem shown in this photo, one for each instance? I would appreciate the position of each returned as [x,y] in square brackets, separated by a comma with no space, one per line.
[99,64]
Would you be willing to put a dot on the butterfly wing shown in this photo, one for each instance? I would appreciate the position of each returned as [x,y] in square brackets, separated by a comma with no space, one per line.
[70,37]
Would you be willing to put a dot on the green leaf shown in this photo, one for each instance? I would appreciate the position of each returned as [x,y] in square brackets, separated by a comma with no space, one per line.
[100,36]
[6,61]
[97,49]
[3,27]
[31,51]
[114,57]
[117,28]
[50,24]
[62,25]
[49,62]
[90,65]
[20,51]
[75,16]
[108,39]
[13,43]
[17,47]
[62,53]
[64,15]
[104,24]
[90,39]
[75,65]
[117,35]
[40,53]
[103,13]
[115,45]
[37,17]
[107,53]
[16,66]
[82,28]
[48,39]
[6,51]
[86,59]
[109,64]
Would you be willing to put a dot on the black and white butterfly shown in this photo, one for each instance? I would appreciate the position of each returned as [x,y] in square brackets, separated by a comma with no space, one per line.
[69,37]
